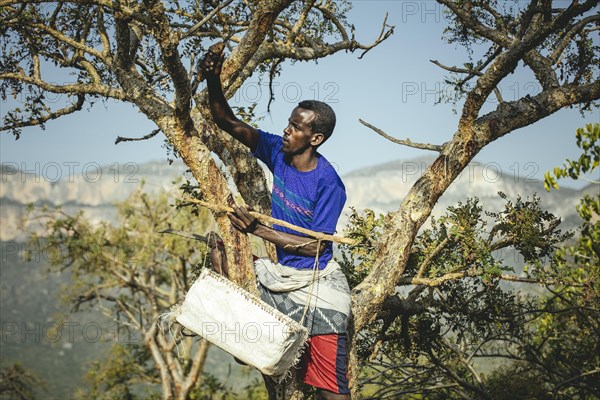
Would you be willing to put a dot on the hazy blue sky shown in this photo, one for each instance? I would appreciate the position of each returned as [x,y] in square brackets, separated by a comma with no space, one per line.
[393,87]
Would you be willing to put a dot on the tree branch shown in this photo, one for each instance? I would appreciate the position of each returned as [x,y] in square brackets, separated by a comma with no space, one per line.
[331,17]
[186,235]
[301,21]
[471,73]
[508,60]
[542,68]
[136,88]
[527,18]
[49,116]
[168,43]
[489,59]
[71,42]
[204,20]
[568,36]
[464,361]
[262,19]
[405,142]
[401,227]
[456,69]
[432,282]
[280,50]
[167,382]
[482,393]
[104,3]
[197,367]
[172,363]
[120,139]
[106,48]
[80,88]
[430,257]
[575,378]
[517,114]
[471,22]
[383,35]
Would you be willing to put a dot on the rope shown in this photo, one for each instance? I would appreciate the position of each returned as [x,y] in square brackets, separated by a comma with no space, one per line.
[314,279]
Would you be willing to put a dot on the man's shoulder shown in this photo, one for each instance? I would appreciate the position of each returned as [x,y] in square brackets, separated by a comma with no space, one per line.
[268,147]
[329,173]
[268,136]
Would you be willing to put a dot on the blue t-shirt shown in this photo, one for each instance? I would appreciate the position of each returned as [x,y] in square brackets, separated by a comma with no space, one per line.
[312,200]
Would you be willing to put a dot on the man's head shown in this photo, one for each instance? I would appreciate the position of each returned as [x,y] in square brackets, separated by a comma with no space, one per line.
[324,121]
[309,125]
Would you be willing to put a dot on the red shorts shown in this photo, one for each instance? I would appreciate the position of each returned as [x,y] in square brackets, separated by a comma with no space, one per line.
[325,363]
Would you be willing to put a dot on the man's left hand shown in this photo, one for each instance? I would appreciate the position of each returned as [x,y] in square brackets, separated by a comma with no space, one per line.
[242,220]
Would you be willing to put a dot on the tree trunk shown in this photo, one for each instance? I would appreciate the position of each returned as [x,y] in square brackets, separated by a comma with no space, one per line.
[285,390]
[215,189]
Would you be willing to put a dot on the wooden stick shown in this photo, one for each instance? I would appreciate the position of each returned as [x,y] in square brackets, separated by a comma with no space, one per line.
[187,235]
[271,220]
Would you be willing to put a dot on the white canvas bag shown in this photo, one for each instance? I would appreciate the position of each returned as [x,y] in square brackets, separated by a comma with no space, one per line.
[242,324]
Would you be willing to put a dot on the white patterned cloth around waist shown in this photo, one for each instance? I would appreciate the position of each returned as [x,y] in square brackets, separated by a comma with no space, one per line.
[290,290]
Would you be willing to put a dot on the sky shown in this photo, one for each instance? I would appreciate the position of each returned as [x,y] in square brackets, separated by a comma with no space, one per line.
[393,87]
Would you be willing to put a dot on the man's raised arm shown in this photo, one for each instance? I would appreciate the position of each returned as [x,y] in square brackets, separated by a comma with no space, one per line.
[221,112]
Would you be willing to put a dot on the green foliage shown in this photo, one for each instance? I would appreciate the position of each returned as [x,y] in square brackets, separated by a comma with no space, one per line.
[211,388]
[468,333]
[488,20]
[18,383]
[256,390]
[470,330]
[107,254]
[116,376]
[132,273]
[248,114]
[529,229]
[588,140]
[454,243]
[561,350]
[358,259]
[510,383]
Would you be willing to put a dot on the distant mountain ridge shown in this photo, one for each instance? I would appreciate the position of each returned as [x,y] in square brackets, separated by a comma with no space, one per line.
[380,188]
[93,189]
[383,187]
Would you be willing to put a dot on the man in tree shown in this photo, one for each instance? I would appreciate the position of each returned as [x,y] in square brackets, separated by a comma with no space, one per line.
[307,192]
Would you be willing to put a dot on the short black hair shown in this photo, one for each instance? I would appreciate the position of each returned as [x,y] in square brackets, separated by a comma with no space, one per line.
[324,121]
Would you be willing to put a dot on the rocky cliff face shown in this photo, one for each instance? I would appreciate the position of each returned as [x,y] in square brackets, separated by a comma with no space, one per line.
[92,189]
[383,187]
[95,189]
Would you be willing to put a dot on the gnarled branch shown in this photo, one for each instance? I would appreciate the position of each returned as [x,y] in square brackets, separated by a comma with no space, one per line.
[120,139]
[49,116]
[404,142]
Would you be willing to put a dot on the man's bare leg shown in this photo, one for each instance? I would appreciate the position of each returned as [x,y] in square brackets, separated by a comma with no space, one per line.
[218,256]
[327,395]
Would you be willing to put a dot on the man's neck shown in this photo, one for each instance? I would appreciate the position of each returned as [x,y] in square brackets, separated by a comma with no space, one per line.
[304,162]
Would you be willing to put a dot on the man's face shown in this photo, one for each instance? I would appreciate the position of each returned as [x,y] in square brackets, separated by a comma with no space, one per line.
[298,136]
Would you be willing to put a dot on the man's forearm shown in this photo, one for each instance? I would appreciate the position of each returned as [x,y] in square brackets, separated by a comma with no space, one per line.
[300,245]
[222,114]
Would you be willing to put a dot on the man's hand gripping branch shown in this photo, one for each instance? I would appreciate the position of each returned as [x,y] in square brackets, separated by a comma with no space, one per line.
[245,222]
[210,67]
